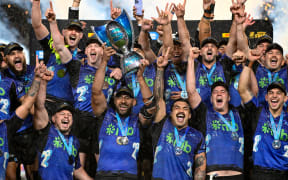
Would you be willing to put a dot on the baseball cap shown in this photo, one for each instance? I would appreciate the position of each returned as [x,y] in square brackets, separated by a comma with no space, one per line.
[219,83]
[277,85]
[209,40]
[92,40]
[265,38]
[2,46]
[124,90]
[12,46]
[64,106]
[74,23]
[274,46]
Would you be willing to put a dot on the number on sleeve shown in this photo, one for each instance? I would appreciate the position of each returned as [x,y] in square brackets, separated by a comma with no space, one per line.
[46,156]
[136,149]
[158,149]
[82,90]
[5,105]
[256,142]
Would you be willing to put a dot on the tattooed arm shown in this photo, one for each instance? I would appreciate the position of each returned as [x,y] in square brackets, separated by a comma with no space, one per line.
[158,91]
[27,104]
[200,166]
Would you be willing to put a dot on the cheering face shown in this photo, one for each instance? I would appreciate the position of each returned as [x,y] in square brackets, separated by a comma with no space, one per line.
[273,60]
[220,99]
[123,104]
[93,52]
[262,47]
[275,98]
[16,62]
[177,54]
[209,52]
[180,114]
[72,36]
[63,121]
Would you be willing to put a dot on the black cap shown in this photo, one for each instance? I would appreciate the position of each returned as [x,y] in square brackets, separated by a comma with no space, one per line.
[265,38]
[12,46]
[219,83]
[274,46]
[124,90]
[222,42]
[74,23]
[64,106]
[2,46]
[92,40]
[209,40]
[277,85]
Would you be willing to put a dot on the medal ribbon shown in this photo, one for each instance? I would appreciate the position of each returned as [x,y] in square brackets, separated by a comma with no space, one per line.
[75,53]
[231,127]
[179,79]
[270,77]
[209,75]
[123,129]
[136,87]
[68,148]
[276,131]
[180,141]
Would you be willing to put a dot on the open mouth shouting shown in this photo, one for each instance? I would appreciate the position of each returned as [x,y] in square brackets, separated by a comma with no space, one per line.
[180,117]
[18,63]
[72,39]
[274,61]
[65,123]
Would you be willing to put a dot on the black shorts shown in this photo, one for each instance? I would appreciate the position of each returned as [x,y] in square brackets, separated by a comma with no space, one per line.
[84,127]
[265,174]
[23,147]
[113,176]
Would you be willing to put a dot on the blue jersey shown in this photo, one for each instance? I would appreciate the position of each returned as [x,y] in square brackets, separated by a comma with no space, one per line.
[235,98]
[54,159]
[171,84]
[115,157]
[222,152]
[4,150]
[264,155]
[168,165]
[24,81]
[7,91]
[82,92]
[263,80]
[202,84]
[149,76]
[59,87]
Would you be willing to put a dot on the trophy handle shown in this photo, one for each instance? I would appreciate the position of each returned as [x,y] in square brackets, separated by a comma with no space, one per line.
[100,33]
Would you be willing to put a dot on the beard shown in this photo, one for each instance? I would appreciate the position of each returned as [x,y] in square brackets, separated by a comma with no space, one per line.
[13,69]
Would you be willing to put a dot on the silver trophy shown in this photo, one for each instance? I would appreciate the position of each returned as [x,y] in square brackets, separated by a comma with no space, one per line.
[119,35]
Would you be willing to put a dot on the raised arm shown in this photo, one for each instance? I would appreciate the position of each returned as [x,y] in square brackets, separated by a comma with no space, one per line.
[41,118]
[242,40]
[162,62]
[144,41]
[193,96]
[58,39]
[40,30]
[24,109]
[164,19]
[204,24]
[148,110]
[114,12]
[98,99]
[184,35]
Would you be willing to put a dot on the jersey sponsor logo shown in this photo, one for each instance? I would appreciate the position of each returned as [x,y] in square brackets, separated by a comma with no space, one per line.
[112,130]
[203,81]
[149,82]
[264,81]
[266,129]
[57,143]
[2,92]
[171,140]
[218,125]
